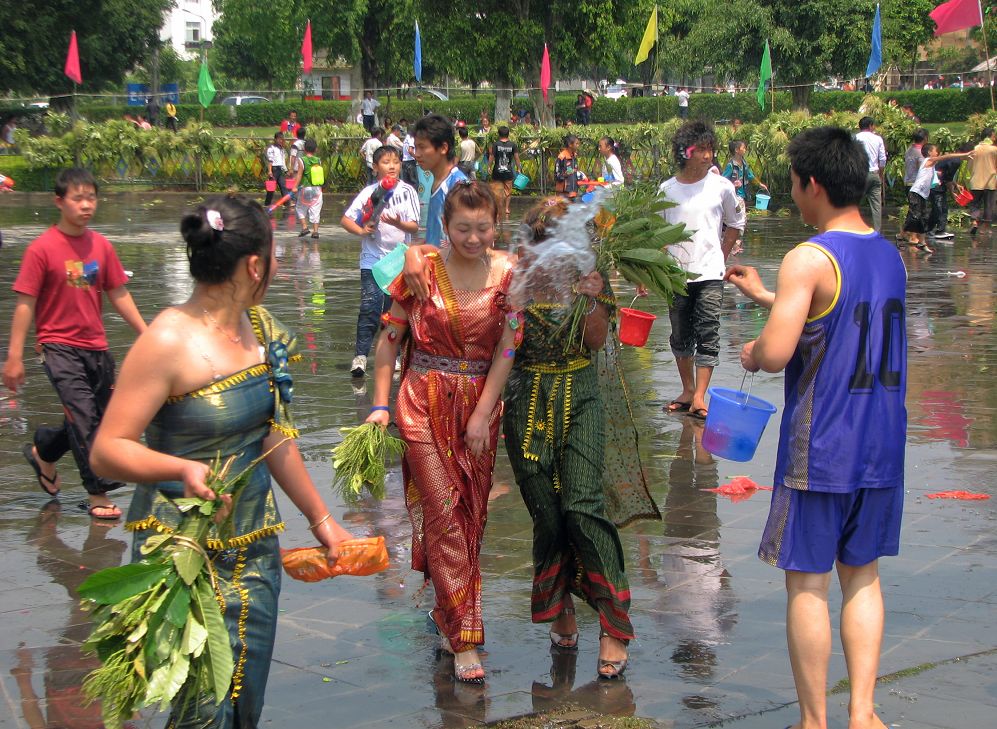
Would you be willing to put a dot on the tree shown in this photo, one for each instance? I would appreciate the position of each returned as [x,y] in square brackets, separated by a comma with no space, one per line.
[809,40]
[113,36]
[906,27]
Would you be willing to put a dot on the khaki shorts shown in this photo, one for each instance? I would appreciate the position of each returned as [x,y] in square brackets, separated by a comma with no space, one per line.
[501,189]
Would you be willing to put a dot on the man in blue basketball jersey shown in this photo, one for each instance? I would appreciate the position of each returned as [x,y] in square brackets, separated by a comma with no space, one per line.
[837,327]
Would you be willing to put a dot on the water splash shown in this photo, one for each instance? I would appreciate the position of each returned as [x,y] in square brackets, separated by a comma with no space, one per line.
[552,267]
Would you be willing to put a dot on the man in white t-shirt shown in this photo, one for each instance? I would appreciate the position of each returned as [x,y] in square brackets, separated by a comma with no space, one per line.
[368,110]
[875,150]
[710,207]
[683,96]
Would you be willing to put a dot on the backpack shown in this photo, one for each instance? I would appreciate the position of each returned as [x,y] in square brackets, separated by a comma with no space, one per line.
[314,170]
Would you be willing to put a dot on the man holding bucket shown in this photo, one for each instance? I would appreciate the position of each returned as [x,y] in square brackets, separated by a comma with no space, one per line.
[709,206]
[837,326]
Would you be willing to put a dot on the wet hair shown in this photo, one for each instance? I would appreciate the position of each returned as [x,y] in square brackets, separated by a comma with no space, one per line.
[734,145]
[569,140]
[919,136]
[214,254]
[834,159]
[692,134]
[503,131]
[926,149]
[469,195]
[537,221]
[300,134]
[311,146]
[986,133]
[866,122]
[73,177]
[436,130]
[383,151]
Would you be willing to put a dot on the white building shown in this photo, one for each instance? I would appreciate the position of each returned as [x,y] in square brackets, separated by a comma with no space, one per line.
[187,24]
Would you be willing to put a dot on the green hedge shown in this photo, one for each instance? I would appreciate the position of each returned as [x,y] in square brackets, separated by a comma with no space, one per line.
[933,107]
[25,178]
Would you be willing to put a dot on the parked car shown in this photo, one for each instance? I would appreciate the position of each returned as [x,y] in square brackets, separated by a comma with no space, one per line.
[615,91]
[240,100]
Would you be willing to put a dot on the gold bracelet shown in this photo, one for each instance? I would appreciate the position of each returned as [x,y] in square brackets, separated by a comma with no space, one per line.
[320,522]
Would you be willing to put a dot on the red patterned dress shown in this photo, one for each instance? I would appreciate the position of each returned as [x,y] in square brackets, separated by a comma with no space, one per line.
[454,337]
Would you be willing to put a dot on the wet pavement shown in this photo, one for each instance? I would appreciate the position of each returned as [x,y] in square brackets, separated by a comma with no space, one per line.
[711,651]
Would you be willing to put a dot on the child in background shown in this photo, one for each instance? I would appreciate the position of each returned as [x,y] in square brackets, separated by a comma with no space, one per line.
[63,274]
[375,142]
[276,167]
[468,153]
[397,223]
[294,163]
[918,208]
[612,170]
[308,182]
[566,168]
[738,171]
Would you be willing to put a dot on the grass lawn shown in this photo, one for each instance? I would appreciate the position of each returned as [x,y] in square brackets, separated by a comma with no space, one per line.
[956,127]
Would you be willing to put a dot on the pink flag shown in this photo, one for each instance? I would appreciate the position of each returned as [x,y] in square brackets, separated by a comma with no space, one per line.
[73,61]
[956,15]
[545,73]
[306,49]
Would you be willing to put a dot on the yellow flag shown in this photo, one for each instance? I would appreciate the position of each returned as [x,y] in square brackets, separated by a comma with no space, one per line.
[650,37]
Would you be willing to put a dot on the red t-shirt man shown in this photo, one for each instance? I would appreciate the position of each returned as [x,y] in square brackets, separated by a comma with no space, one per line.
[67,276]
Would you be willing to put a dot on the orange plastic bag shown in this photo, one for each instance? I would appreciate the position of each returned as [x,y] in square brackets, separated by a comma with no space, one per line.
[358,557]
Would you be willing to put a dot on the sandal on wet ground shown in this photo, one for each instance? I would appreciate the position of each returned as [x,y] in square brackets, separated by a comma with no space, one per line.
[105,512]
[619,667]
[698,413]
[473,673]
[678,406]
[564,641]
[49,485]
[432,627]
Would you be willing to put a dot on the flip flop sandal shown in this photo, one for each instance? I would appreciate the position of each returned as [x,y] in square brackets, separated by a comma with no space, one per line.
[29,456]
[698,413]
[93,511]
[556,639]
[677,406]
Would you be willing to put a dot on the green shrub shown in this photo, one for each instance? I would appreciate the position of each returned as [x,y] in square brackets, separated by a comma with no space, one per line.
[932,107]
[26,177]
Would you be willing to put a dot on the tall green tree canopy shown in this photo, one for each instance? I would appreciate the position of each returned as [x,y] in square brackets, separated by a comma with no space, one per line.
[113,36]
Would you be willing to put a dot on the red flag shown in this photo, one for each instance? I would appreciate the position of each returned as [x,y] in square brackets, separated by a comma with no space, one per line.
[545,73]
[73,61]
[956,15]
[306,49]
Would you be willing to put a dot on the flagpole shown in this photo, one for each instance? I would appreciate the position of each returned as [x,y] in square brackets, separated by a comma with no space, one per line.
[986,49]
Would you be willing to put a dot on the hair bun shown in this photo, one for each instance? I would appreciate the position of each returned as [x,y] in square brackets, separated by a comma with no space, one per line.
[195,229]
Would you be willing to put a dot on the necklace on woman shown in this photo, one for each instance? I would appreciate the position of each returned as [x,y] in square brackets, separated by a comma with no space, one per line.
[234,340]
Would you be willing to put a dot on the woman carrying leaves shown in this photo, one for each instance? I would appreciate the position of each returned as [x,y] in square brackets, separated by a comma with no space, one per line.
[463,344]
[209,380]
[573,449]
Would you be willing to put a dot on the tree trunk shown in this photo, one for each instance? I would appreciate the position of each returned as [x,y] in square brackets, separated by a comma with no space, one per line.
[503,102]
[801,97]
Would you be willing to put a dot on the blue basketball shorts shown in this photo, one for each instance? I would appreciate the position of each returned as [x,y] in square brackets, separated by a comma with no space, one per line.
[807,531]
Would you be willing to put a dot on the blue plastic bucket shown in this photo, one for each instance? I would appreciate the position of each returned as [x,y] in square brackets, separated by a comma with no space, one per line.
[521,182]
[588,197]
[735,423]
[387,269]
[762,201]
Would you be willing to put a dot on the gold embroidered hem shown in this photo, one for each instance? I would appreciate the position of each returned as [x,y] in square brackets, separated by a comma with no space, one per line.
[216,545]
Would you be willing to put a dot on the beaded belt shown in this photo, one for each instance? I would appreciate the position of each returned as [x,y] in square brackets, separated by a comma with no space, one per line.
[457,366]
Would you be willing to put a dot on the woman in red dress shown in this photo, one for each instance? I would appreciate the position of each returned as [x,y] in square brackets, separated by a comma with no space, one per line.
[463,344]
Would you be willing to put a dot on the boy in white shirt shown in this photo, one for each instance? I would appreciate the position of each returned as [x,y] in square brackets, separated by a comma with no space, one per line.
[705,203]
[276,167]
[397,223]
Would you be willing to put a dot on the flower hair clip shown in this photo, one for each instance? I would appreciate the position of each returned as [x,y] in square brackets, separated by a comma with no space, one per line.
[215,220]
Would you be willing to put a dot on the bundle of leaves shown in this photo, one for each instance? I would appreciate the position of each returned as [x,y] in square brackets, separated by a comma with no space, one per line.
[158,627]
[631,237]
[359,461]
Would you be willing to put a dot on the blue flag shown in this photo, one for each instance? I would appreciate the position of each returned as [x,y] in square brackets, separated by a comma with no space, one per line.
[417,65]
[876,55]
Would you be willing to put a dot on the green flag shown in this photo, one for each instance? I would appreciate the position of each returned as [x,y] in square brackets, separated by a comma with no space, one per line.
[205,89]
[765,74]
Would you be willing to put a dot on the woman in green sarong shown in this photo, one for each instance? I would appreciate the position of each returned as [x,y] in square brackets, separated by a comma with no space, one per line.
[557,427]
[210,377]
